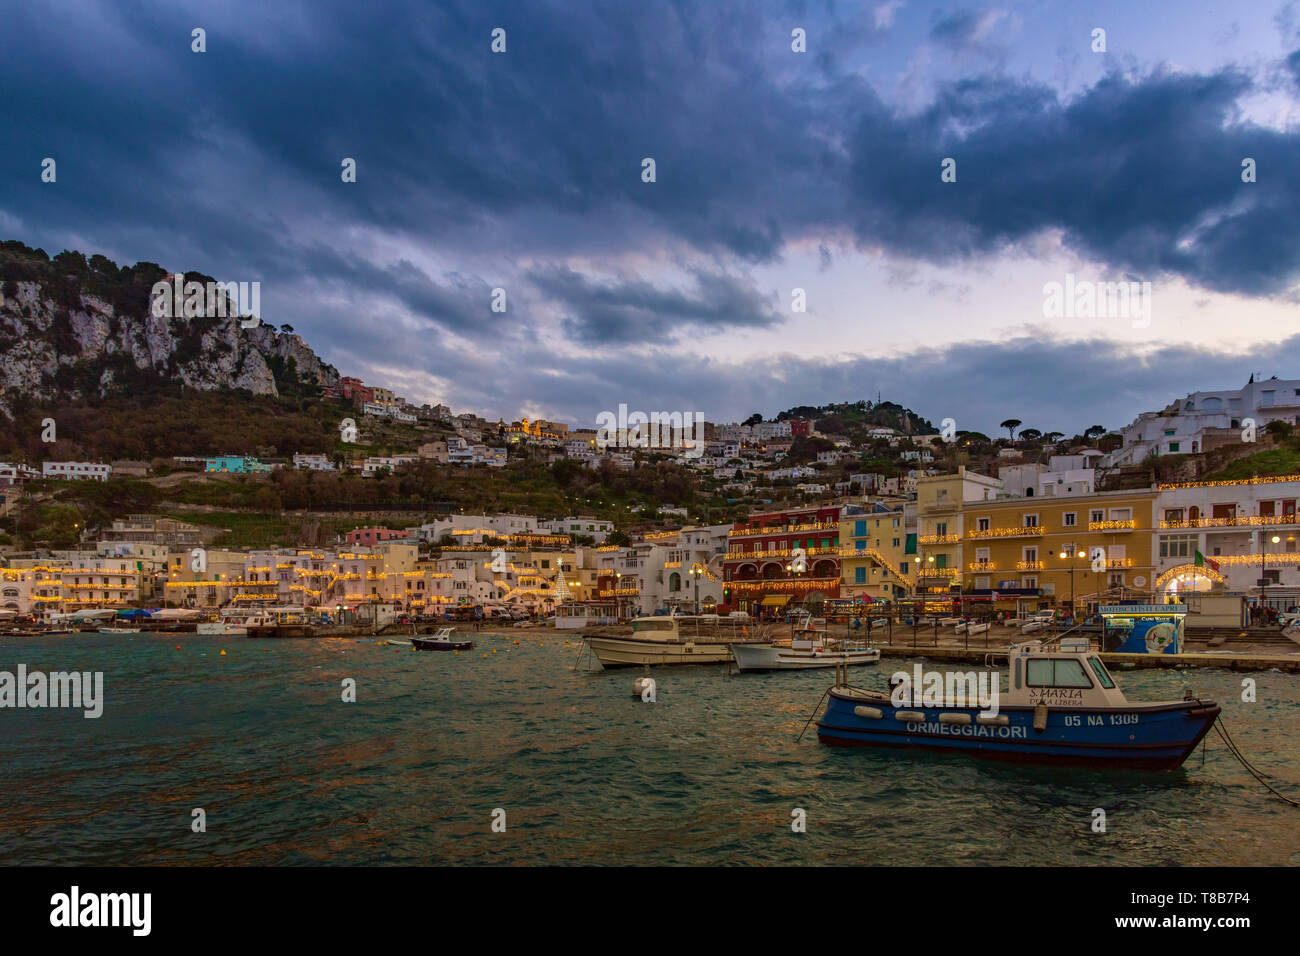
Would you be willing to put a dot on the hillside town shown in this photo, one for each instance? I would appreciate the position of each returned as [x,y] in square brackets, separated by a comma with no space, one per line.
[1013,538]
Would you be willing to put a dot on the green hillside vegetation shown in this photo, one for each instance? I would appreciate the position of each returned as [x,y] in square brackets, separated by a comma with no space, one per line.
[290,506]
[854,419]
[1284,460]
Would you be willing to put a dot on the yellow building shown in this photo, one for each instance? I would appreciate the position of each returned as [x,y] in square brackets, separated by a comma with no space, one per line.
[1067,550]
[876,551]
[940,500]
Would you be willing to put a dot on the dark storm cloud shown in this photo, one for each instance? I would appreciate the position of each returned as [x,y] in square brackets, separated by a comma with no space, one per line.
[1064,387]
[957,31]
[1144,175]
[460,147]
[599,313]
[475,168]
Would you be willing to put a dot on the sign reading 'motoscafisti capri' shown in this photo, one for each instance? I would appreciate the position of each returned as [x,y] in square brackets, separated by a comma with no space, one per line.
[1143,609]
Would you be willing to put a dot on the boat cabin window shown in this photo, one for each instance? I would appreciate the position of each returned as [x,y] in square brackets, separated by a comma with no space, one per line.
[638,626]
[1017,673]
[1103,675]
[1056,672]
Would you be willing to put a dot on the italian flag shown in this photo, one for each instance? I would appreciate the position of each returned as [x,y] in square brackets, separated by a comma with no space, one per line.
[1203,561]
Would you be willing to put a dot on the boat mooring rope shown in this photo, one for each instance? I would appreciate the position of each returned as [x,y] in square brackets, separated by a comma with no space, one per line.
[811,716]
[1222,729]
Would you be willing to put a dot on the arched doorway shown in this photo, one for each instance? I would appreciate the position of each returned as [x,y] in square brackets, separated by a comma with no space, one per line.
[1189,579]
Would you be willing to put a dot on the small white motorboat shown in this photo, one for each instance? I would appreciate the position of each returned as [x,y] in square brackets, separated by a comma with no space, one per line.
[976,628]
[119,630]
[807,650]
[443,640]
[221,629]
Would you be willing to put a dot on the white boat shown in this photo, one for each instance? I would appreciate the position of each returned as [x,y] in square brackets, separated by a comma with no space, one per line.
[119,630]
[443,640]
[221,629]
[679,639]
[976,628]
[241,623]
[807,650]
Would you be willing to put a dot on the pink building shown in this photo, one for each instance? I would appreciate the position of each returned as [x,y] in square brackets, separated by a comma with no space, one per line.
[365,537]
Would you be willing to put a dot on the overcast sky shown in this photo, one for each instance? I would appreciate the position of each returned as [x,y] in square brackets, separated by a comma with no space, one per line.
[775,171]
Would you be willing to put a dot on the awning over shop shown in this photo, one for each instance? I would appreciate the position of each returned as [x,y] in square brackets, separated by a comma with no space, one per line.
[775,600]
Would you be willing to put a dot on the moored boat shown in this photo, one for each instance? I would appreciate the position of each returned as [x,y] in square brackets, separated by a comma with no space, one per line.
[806,650]
[220,629]
[1062,706]
[443,640]
[675,639]
[119,630]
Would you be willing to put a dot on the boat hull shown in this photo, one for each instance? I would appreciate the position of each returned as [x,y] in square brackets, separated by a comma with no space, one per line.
[207,629]
[757,658]
[421,644]
[1141,736]
[615,652]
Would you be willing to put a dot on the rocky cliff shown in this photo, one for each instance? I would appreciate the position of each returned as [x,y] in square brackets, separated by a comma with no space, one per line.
[71,328]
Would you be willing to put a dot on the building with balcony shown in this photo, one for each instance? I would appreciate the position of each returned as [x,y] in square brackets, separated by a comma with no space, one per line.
[940,500]
[1246,533]
[1022,552]
[779,558]
[877,548]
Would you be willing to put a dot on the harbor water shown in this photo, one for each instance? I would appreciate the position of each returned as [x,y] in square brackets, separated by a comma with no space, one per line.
[414,771]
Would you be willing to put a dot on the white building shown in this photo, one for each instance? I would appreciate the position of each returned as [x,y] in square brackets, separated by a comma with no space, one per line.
[474,529]
[1247,533]
[1184,426]
[595,528]
[313,462]
[577,448]
[764,431]
[664,564]
[1063,476]
[377,464]
[76,470]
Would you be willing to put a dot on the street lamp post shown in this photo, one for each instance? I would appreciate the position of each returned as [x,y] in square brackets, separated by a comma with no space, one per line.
[1263,571]
[1078,554]
[695,573]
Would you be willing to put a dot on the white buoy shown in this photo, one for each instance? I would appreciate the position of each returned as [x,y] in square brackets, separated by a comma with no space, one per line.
[644,687]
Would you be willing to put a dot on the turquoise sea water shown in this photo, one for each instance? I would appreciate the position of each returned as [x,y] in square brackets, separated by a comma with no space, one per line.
[587,774]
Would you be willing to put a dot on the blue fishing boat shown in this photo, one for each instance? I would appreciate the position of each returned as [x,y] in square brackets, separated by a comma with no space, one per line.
[1061,706]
